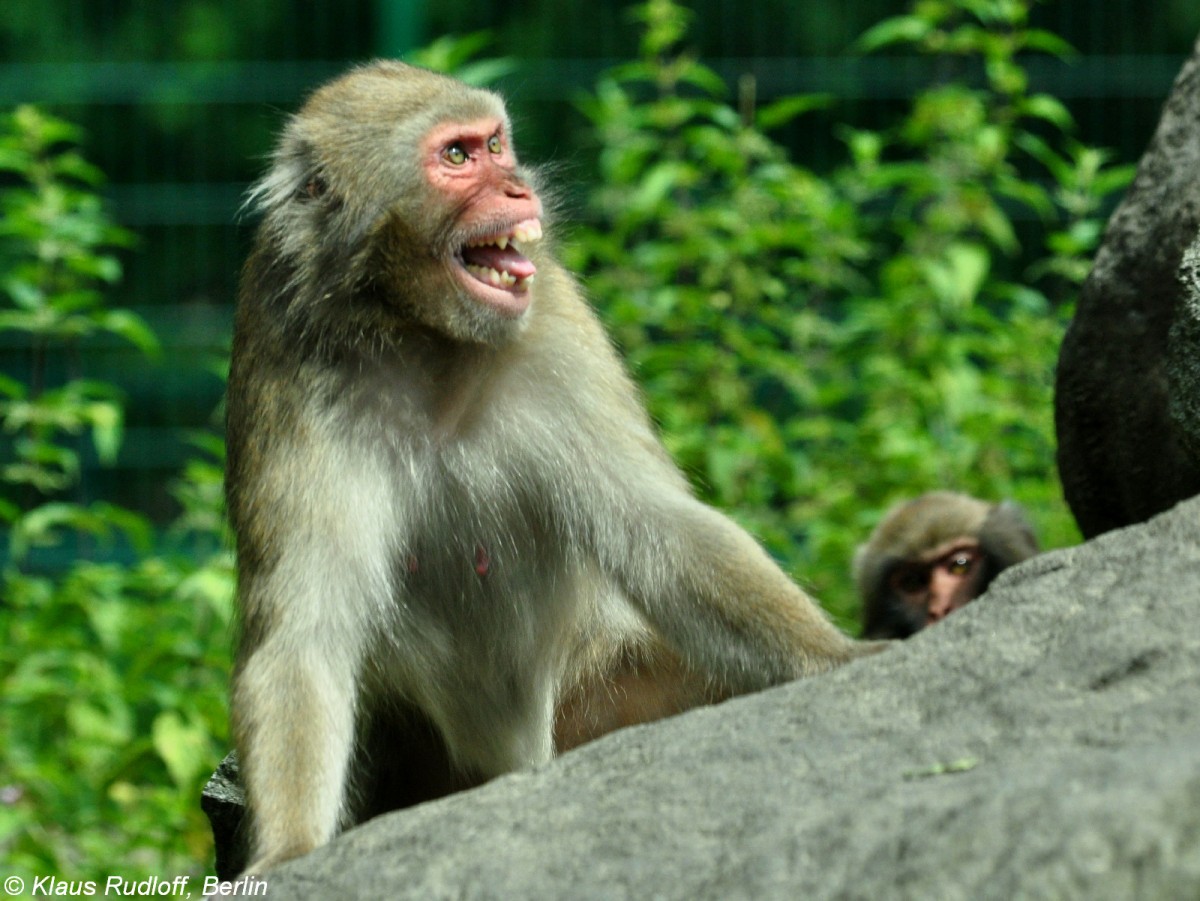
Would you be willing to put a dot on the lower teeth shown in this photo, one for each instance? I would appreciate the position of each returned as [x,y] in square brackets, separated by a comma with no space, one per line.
[496,278]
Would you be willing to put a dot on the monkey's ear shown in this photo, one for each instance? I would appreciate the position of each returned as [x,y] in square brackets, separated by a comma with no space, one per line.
[314,188]
[883,614]
[858,563]
[293,169]
[868,569]
[1007,535]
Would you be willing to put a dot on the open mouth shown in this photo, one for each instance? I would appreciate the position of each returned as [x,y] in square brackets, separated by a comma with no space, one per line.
[495,262]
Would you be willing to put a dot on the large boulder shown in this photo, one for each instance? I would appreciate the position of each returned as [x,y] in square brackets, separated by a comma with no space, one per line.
[1183,353]
[1043,742]
[1122,455]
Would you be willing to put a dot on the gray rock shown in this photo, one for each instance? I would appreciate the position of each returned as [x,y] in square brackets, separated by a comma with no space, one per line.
[1183,353]
[1042,743]
[1122,456]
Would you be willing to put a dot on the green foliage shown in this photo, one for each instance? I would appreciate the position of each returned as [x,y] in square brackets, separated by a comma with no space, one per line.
[454,54]
[113,675]
[815,348]
[819,348]
[55,258]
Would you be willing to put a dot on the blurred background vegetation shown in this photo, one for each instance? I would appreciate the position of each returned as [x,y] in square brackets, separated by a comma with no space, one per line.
[837,243]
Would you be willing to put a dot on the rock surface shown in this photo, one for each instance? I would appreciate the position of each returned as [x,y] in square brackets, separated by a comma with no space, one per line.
[1042,743]
[1122,454]
[1183,357]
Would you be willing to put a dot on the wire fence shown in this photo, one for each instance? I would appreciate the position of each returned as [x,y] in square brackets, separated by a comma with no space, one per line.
[181,137]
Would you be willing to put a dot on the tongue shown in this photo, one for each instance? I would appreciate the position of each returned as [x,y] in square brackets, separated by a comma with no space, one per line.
[506,260]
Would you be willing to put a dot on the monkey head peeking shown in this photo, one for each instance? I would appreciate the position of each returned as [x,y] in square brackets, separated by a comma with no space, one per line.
[930,556]
[453,516]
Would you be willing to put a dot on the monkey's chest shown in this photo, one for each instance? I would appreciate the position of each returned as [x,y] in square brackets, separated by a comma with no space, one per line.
[486,606]
[480,555]
[466,569]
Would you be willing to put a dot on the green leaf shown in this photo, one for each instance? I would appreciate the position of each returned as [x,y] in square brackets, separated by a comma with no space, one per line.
[486,72]
[13,159]
[182,746]
[26,294]
[1115,178]
[454,54]
[961,765]
[38,526]
[97,724]
[12,388]
[72,165]
[1048,42]
[100,267]
[657,184]
[131,327]
[701,76]
[896,30]
[969,265]
[213,587]
[783,111]
[1049,109]
[107,429]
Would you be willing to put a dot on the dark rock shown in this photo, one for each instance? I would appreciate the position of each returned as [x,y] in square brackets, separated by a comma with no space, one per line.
[224,802]
[1183,357]
[1044,742]
[1121,455]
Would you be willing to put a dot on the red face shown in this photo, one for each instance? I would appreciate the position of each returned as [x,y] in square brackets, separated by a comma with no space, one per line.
[473,166]
[941,580]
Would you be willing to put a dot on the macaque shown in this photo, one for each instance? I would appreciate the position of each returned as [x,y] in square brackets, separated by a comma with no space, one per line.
[452,512]
[635,689]
[932,555]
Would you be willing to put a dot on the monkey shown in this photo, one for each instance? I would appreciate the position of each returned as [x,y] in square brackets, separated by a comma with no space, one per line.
[932,555]
[639,688]
[452,514]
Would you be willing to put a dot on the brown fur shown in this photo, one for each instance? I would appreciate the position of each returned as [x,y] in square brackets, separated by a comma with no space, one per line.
[451,521]
[914,527]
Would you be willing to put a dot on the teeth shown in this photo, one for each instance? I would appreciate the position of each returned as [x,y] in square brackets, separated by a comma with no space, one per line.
[495,278]
[528,231]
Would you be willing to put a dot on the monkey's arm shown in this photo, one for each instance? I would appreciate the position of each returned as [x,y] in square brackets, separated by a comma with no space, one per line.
[711,591]
[717,596]
[313,566]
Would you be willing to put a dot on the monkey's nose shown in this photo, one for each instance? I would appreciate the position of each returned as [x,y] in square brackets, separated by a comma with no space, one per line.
[939,604]
[517,189]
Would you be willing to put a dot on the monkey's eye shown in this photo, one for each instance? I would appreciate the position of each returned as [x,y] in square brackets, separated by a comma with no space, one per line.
[910,578]
[494,145]
[455,154]
[960,563]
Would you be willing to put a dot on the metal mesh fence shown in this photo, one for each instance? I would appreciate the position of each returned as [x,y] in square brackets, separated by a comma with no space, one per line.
[180,102]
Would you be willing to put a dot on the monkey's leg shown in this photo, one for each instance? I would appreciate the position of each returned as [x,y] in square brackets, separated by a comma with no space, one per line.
[501,726]
[294,724]
[643,686]
[402,760]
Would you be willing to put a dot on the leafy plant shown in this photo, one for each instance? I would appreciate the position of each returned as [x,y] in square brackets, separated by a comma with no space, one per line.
[819,348]
[456,54]
[112,674]
[816,347]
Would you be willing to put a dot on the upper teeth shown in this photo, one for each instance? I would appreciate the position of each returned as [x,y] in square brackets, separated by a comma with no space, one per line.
[528,231]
